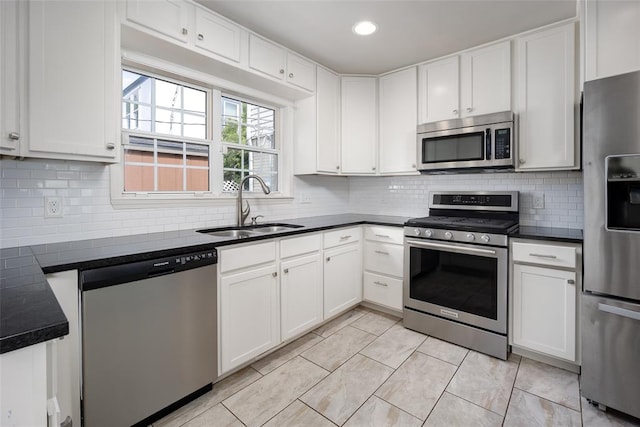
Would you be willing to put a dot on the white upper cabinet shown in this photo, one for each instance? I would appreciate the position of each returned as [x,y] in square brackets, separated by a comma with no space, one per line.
[301,72]
[10,79]
[476,82]
[485,80]
[168,17]
[438,85]
[546,100]
[266,57]
[73,84]
[217,35]
[328,121]
[398,121]
[612,37]
[275,61]
[359,123]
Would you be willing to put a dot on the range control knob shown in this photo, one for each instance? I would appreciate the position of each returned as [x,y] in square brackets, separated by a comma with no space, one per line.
[471,237]
[428,233]
[416,231]
[448,235]
[485,238]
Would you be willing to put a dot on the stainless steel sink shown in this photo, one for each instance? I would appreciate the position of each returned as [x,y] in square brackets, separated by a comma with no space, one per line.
[248,230]
[229,233]
[273,228]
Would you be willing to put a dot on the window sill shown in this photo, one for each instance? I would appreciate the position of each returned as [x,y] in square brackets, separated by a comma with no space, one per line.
[189,200]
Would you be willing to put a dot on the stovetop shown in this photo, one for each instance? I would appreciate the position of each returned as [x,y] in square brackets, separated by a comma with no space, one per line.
[479,225]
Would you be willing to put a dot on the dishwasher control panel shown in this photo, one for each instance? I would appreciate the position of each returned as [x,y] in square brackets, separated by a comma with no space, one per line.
[139,270]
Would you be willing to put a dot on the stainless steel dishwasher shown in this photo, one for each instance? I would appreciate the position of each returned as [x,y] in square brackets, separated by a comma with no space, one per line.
[149,340]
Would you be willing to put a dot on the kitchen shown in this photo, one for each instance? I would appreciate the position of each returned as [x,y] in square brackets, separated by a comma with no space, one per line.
[64,192]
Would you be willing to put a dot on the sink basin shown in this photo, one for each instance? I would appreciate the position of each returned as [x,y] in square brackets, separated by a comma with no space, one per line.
[273,228]
[239,233]
[248,230]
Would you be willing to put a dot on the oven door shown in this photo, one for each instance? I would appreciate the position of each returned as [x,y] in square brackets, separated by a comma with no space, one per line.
[459,282]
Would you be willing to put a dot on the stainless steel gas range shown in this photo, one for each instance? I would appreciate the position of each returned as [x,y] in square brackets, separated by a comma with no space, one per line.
[456,269]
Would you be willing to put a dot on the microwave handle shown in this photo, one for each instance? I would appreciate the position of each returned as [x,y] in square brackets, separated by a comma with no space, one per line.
[487,141]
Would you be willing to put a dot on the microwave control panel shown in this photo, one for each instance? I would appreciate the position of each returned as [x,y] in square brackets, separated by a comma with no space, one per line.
[503,143]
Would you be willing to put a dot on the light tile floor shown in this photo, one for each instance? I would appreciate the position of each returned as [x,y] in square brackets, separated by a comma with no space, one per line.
[364,369]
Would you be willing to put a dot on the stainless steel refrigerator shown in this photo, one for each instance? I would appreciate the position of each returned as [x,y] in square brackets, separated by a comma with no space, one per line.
[611,297]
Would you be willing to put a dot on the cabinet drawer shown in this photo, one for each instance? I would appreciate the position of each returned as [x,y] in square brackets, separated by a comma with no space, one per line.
[245,256]
[558,256]
[385,234]
[383,290]
[300,245]
[342,237]
[384,258]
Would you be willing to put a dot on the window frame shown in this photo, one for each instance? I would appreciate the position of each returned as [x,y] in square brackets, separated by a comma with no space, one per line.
[216,89]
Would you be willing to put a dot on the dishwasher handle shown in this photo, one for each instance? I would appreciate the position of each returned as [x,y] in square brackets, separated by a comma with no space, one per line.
[112,275]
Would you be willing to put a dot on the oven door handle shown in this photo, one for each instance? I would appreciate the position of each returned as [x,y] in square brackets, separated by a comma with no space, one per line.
[429,245]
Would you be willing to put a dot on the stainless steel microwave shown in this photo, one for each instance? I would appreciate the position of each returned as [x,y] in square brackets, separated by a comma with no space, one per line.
[474,143]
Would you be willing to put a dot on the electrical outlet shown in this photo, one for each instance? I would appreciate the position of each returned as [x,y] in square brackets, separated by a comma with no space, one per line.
[305,198]
[52,207]
[538,200]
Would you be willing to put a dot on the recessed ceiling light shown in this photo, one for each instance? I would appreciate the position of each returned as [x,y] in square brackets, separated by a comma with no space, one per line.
[364,28]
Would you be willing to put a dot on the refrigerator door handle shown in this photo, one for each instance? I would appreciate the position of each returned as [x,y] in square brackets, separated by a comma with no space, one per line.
[619,311]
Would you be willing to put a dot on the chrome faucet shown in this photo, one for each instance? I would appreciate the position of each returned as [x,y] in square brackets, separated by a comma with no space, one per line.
[242,212]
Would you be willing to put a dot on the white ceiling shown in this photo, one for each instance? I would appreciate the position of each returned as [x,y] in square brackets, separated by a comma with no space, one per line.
[408,31]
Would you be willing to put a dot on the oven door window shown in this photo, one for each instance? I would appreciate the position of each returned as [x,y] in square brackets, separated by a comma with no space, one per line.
[461,282]
[451,148]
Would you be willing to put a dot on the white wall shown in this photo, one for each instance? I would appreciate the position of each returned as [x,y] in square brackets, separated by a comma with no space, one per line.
[408,196]
[84,189]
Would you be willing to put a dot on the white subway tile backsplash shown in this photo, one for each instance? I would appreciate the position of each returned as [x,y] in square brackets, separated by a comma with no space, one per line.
[88,213]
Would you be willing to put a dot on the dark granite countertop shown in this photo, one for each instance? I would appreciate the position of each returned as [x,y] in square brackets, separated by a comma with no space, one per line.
[30,312]
[570,235]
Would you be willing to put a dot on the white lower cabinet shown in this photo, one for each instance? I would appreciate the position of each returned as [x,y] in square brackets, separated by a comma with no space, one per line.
[23,389]
[383,266]
[544,293]
[249,315]
[301,294]
[300,284]
[342,278]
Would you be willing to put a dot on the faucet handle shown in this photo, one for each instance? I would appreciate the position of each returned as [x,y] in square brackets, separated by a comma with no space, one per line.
[254,219]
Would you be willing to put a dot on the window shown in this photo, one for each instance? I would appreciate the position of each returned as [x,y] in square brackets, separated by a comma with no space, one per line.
[248,138]
[172,145]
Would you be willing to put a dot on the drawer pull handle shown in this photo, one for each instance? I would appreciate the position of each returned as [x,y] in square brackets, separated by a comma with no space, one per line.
[286,270]
[544,256]
[345,237]
[385,236]
[380,283]
[382,252]
[274,274]
[619,311]
[328,258]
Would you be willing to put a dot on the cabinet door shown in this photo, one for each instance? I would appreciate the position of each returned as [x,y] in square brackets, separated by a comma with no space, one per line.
[358,110]
[438,90]
[167,17]
[217,35]
[398,121]
[547,100]
[328,121]
[249,315]
[301,72]
[73,98]
[485,80]
[612,38]
[10,79]
[301,294]
[544,310]
[342,279]
[266,57]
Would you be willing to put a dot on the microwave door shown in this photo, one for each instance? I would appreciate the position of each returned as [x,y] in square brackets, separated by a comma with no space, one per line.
[453,150]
